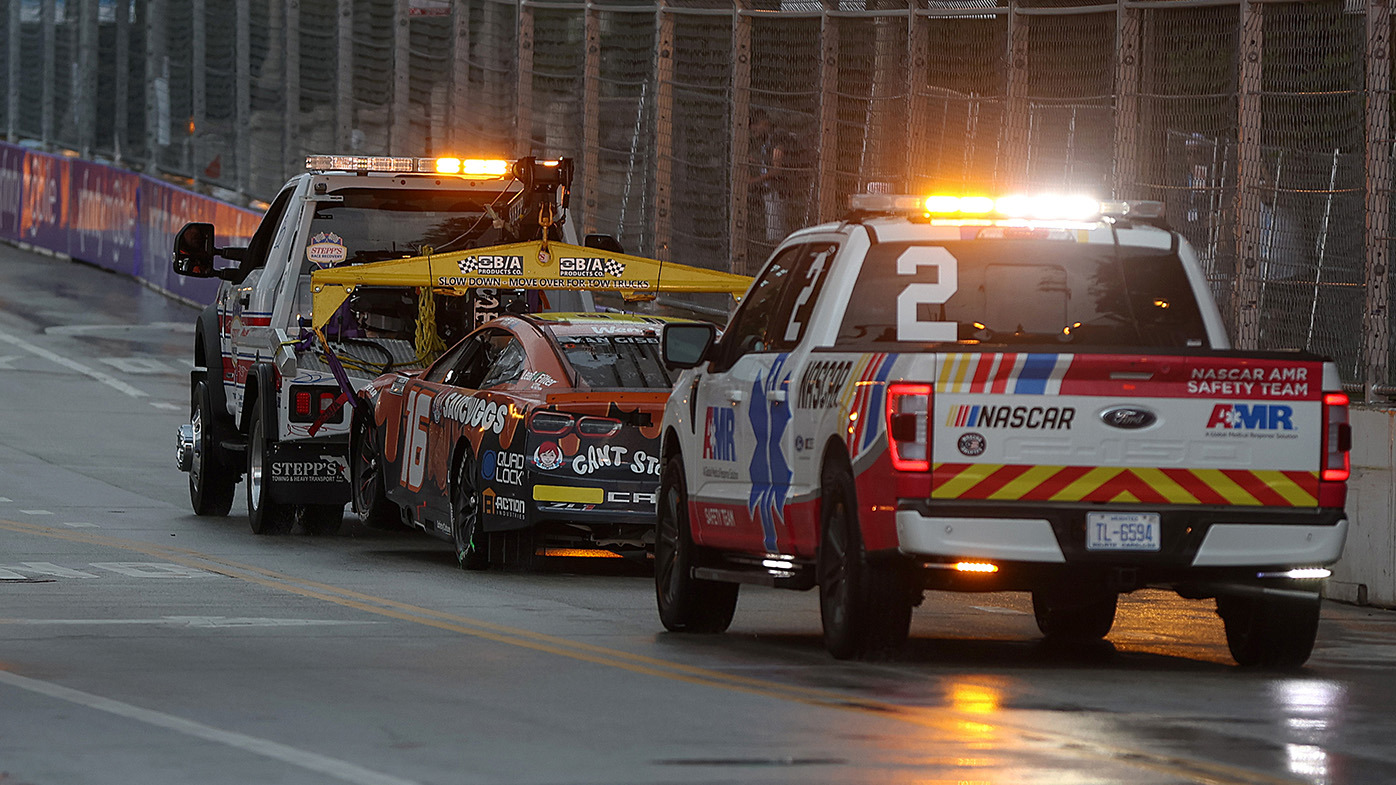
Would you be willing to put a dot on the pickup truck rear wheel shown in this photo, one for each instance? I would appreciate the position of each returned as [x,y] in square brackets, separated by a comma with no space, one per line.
[265,515]
[1269,632]
[211,484]
[370,494]
[686,603]
[865,607]
[466,531]
[1074,615]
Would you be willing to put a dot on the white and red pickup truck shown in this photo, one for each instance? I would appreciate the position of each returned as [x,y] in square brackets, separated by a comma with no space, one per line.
[1022,394]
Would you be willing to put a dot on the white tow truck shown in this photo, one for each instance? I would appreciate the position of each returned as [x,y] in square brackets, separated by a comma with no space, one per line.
[266,400]
[1016,394]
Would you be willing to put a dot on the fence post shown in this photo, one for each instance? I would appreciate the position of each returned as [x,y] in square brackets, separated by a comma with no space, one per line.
[1017,122]
[12,44]
[828,112]
[740,175]
[523,103]
[1246,295]
[157,83]
[1378,193]
[1127,69]
[460,76]
[344,78]
[85,109]
[918,53]
[664,132]
[243,78]
[198,50]
[401,124]
[591,119]
[49,31]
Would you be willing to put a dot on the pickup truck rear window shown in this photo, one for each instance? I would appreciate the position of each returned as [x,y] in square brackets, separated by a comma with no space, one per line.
[1034,291]
[371,225]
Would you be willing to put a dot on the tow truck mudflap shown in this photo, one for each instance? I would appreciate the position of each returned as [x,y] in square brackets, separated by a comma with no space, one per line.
[308,472]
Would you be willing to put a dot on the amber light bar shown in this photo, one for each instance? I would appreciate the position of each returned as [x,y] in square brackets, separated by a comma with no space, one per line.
[578,553]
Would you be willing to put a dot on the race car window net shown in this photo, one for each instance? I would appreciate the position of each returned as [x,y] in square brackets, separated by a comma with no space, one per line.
[617,360]
[1022,291]
[507,367]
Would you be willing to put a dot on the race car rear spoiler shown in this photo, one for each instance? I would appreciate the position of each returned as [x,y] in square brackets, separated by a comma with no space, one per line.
[532,265]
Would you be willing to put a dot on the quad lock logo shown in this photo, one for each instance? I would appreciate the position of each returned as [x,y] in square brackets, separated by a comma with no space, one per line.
[1233,417]
[720,434]
[329,468]
[505,468]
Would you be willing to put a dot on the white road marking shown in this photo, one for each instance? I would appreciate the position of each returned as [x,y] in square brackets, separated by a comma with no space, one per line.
[174,407]
[45,568]
[8,363]
[81,525]
[36,512]
[139,365]
[109,329]
[3,499]
[144,569]
[54,357]
[11,575]
[189,621]
[321,764]
[998,609]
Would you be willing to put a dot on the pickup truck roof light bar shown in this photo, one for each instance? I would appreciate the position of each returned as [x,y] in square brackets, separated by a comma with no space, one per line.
[475,167]
[1012,207]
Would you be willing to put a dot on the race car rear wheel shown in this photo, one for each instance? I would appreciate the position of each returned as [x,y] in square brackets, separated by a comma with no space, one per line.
[686,603]
[1074,615]
[211,484]
[322,520]
[370,494]
[265,515]
[466,534]
[1269,632]
[865,607]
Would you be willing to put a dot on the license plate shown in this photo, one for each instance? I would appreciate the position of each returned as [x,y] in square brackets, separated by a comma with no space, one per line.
[1122,531]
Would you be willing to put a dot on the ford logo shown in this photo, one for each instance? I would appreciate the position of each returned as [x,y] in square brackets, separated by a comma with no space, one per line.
[1128,417]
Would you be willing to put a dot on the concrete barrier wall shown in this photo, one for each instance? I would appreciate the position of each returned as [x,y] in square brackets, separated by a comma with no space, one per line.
[110,217]
[1367,572]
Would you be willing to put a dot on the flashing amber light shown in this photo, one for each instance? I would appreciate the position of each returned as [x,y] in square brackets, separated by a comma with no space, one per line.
[488,166]
[959,205]
[976,566]
[578,553]
[448,166]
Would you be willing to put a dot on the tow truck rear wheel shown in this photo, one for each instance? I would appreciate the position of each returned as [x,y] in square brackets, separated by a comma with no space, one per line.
[1074,615]
[865,607]
[322,520]
[1269,632]
[686,603]
[211,484]
[370,495]
[264,514]
[466,532]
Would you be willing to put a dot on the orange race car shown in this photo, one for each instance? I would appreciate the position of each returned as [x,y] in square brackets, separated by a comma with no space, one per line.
[535,435]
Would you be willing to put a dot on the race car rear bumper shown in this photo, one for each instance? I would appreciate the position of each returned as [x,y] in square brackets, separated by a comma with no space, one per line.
[1192,537]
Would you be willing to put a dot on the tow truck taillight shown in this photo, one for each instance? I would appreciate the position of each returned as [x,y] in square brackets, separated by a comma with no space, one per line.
[308,402]
[1337,438]
[908,426]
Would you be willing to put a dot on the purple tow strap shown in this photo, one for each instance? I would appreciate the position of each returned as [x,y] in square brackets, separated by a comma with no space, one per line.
[346,390]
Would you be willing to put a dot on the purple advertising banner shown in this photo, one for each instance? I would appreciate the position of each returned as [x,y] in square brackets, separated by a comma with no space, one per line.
[110,217]
[11,190]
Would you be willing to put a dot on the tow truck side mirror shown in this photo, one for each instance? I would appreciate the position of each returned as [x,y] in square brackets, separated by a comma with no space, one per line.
[194,253]
[687,344]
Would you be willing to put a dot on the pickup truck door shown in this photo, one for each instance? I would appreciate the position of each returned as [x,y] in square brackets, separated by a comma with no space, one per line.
[742,458]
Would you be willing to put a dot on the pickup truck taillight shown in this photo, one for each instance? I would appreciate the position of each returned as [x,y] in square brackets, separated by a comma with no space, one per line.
[908,426]
[1337,438]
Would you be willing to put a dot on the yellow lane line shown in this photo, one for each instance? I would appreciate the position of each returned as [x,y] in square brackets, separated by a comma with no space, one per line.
[942,719]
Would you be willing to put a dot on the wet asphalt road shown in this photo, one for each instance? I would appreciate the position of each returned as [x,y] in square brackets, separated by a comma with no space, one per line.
[140,644]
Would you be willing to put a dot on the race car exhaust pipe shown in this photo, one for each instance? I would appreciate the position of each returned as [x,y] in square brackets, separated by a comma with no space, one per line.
[184,447]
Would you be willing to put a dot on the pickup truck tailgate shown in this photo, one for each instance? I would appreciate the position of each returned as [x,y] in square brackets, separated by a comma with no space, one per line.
[1114,428]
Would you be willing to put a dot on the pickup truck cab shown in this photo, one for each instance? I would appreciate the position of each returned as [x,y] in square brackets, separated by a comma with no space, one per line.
[1014,395]
[265,400]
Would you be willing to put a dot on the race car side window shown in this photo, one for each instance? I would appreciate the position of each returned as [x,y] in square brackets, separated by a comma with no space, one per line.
[759,324]
[445,369]
[508,367]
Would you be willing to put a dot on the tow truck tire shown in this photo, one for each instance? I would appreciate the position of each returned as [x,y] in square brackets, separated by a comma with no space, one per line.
[1077,616]
[686,603]
[370,494]
[466,533]
[265,516]
[865,607]
[1269,632]
[211,484]
[322,520]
